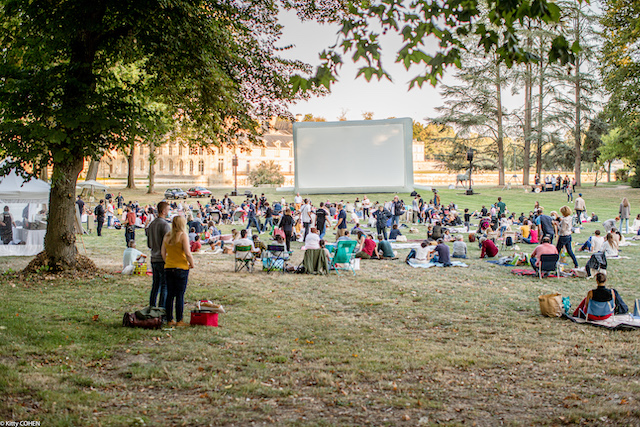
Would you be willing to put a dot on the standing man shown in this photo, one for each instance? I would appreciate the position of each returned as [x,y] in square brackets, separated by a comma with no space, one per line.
[321,220]
[342,222]
[253,219]
[366,205]
[156,231]
[415,207]
[580,206]
[305,217]
[546,226]
[501,207]
[99,212]
[120,200]
[129,225]
[397,210]
[6,226]
[80,204]
[382,216]
[297,201]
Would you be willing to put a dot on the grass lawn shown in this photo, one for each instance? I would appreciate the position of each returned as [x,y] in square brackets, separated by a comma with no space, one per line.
[391,346]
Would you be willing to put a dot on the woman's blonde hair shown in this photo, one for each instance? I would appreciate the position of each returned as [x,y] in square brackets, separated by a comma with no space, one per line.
[625,202]
[178,225]
[565,211]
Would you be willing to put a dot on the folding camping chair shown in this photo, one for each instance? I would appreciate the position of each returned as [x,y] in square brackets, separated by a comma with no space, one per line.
[315,261]
[274,258]
[600,308]
[344,256]
[493,235]
[244,258]
[549,263]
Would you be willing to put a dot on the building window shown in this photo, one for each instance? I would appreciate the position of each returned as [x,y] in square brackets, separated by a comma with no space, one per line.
[171,149]
[110,169]
[141,149]
[170,165]
[159,150]
[278,151]
[248,165]
[180,150]
[181,166]
[263,151]
[141,164]
[201,167]
[191,166]
[201,151]
[290,167]
[160,164]
[193,151]
[220,165]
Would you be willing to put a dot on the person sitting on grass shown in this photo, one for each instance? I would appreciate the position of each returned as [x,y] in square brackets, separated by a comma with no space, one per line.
[394,233]
[545,248]
[441,254]
[131,255]
[422,254]
[594,243]
[610,246]
[385,249]
[345,236]
[601,294]
[368,249]
[533,235]
[195,245]
[459,248]
[323,246]
[594,217]
[487,248]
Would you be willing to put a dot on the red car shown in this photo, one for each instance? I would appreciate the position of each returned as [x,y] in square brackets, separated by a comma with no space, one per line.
[198,192]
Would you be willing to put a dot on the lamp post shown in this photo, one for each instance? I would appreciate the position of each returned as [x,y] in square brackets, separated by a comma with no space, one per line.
[470,160]
[234,163]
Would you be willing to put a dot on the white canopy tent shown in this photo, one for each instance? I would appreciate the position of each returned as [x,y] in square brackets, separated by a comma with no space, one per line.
[27,202]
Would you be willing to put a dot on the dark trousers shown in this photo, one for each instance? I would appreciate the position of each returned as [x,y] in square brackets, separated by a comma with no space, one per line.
[129,233]
[287,239]
[99,227]
[306,229]
[176,286]
[565,241]
[253,220]
[159,285]
[365,213]
[382,231]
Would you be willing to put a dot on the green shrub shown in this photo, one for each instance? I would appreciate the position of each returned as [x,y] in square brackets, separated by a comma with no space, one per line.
[622,174]
[266,173]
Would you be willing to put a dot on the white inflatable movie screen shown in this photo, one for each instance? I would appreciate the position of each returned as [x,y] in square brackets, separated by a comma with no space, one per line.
[353,156]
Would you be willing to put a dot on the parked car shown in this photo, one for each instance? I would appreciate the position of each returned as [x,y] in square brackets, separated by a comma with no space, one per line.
[198,192]
[175,193]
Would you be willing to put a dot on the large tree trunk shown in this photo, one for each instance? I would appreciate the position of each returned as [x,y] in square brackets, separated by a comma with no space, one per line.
[131,184]
[152,165]
[578,130]
[60,240]
[539,121]
[500,140]
[609,172]
[527,120]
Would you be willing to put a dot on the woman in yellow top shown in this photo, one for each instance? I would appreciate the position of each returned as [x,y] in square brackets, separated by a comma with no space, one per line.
[177,262]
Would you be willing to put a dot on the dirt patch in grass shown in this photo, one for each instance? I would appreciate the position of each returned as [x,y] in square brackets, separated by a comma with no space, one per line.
[84,267]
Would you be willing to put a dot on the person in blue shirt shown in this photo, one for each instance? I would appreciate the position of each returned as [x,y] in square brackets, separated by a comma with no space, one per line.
[394,233]
[342,222]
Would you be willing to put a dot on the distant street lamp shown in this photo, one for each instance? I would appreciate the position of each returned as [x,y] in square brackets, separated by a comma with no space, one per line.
[470,160]
[234,163]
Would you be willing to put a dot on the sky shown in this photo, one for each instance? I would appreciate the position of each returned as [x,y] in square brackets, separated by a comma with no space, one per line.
[356,96]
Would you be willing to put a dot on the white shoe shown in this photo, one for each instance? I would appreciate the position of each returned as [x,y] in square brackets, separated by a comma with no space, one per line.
[217,251]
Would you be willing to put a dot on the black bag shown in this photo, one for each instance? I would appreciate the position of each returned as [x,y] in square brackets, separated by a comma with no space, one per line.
[131,321]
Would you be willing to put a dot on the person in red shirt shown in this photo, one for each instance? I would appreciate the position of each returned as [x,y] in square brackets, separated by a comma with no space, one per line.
[488,248]
[545,248]
[368,249]
[195,245]
[130,225]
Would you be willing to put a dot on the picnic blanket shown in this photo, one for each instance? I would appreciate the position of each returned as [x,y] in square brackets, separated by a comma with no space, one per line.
[407,245]
[499,262]
[430,264]
[529,272]
[619,322]
[608,258]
